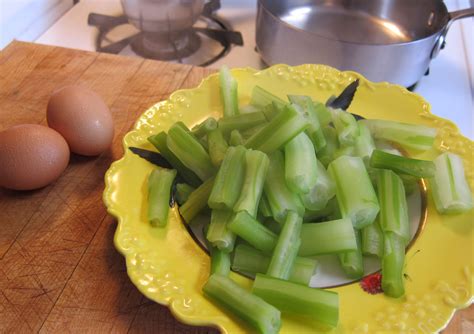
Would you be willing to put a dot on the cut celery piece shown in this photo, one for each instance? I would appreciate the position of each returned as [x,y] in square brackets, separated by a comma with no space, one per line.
[159,191]
[229,94]
[364,143]
[329,237]
[217,146]
[229,179]
[393,204]
[392,265]
[314,130]
[280,130]
[264,207]
[286,249]
[322,192]
[351,262]
[220,261]
[300,164]
[346,126]
[256,167]
[326,154]
[263,317]
[262,98]
[321,305]
[280,198]
[159,141]
[324,115]
[413,136]
[249,260]
[189,151]
[402,165]
[354,191]
[183,191]
[450,189]
[256,234]
[241,122]
[218,233]
[236,138]
[196,201]
[372,240]
[204,127]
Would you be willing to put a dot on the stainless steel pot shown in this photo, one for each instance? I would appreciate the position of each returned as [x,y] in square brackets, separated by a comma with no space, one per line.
[385,40]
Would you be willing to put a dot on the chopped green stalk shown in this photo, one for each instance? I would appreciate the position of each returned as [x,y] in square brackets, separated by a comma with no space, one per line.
[190,152]
[183,190]
[314,129]
[322,192]
[280,198]
[220,261]
[256,167]
[273,226]
[364,143]
[241,122]
[252,261]
[286,249]
[402,165]
[354,191]
[329,212]
[392,265]
[300,164]
[261,98]
[450,189]
[326,154]
[159,191]
[386,146]
[218,233]
[393,204]
[159,141]
[329,237]
[217,146]
[250,132]
[272,110]
[372,240]
[263,317]
[236,138]
[196,201]
[229,95]
[280,130]
[346,126]
[324,115]
[410,183]
[248,109]
[264,207]
[249,229]
[229,179]
[345,150]
[351,262]
[321,305]
[413,136]
[204,127]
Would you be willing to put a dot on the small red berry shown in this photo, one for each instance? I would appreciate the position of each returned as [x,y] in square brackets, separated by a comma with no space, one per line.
[372,283]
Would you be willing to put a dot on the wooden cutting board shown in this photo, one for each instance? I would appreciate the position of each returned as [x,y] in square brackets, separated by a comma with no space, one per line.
[59,271]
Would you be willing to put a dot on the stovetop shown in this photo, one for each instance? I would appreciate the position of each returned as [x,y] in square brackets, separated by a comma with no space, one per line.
[449,87]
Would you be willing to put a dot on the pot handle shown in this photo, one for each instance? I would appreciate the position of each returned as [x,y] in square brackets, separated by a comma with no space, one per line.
[453,16]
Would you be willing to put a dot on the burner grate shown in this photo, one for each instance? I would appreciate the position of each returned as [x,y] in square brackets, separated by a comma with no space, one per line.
[209,40]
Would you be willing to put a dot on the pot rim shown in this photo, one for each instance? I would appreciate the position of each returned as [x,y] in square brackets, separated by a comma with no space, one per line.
[290,26]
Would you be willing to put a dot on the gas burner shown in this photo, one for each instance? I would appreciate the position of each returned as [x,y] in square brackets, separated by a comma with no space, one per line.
[207,41]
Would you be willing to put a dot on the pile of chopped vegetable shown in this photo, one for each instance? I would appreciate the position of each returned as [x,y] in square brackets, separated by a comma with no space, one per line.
[284,181]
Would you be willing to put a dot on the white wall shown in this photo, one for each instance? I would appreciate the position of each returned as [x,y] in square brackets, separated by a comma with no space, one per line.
[26,20]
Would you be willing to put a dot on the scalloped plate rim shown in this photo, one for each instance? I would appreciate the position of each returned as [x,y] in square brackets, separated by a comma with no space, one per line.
[109,188]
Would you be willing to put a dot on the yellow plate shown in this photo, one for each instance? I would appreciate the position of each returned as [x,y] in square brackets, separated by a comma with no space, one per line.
[169,267]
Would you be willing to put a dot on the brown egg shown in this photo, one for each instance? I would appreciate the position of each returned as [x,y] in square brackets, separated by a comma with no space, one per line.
[31,156]
[83,119]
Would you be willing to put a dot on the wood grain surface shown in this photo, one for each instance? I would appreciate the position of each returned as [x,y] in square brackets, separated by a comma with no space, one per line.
[59,271]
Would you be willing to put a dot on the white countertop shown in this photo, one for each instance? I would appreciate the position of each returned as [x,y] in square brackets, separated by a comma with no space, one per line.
[449,87]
